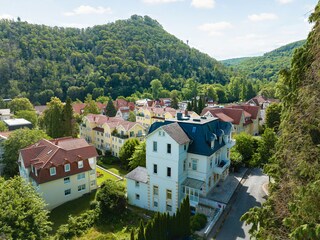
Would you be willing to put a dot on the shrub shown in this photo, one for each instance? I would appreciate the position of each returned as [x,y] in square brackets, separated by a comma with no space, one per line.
[198,221]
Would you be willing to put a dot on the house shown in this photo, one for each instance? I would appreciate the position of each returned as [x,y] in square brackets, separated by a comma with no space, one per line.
[121,103]
[149,115]
[60,170]
[109,133]
[78,108]
[123,112]
[184,156]
[17,123]
[5,114]
[244,118]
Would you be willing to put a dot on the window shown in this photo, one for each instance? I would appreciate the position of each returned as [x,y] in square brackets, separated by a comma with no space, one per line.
[81,187]
[66,180]
[93,183]
[185,147]
[184,164]
[137,196]
[155,147]
[67,192]
[155,191]
[209,182]
[159,133]
[155,168]
[155,204]
[137,184]
[168,148]
[194,164]
[80,164]
[228,153]
[93,171]
[52,171]
[211,162]
[169,194]
[67,167]
[168,172]
[163,133]
[169,207]
[81,176]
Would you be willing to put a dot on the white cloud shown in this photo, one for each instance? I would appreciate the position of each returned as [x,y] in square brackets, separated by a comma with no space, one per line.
[160,1]
[203,3]
[86,9]
[284,1]
[6,16]
[262,17]
[215,29]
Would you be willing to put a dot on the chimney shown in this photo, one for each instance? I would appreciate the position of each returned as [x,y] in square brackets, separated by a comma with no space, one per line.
[164,109]
[56,142]
[186,113]
[94,118]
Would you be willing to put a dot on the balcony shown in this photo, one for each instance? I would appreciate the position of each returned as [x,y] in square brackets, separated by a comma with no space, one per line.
[118,135]
[222,166]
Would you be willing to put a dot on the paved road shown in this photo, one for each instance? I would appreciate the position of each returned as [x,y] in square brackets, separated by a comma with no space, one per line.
[249,195]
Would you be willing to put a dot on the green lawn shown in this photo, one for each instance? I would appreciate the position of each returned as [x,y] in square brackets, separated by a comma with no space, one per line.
[75,207]
[103,175]
[115,168]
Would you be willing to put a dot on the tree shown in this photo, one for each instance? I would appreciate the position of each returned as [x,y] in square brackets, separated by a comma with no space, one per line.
[273,116]
[68,119]
[91,106]
[53,118]
[3,127]
[18,139]
[246,146]
[22,214]
[110,109]
[18,104]
[127,150]
[132,117]
[212,94]
[266,147]
[31,116]
[141,232]
[156,88]
[139,156]
[174,99]
[111,197]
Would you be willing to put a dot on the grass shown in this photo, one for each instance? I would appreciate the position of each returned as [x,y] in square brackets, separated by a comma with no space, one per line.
[103,175]
[75,207]
[113,167]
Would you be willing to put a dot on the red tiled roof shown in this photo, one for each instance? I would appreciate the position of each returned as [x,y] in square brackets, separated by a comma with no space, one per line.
[234,114]
[118,103]
[78,107]
[5,135]
[223,117]
[45,154]
[253,110]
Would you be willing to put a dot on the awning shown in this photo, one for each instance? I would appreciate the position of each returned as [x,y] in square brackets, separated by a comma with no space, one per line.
[193,183]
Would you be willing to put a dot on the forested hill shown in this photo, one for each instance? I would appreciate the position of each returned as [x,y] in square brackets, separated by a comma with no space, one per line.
[267,66]
[119,58]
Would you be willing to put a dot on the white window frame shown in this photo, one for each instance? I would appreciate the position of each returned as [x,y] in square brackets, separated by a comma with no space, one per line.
[81,187]
[80,164]
[53,171]
[65,191]
[67,167]
[81,176]
[65,180]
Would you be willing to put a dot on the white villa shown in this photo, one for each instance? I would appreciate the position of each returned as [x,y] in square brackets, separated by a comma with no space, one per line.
[60,170]
[184,156]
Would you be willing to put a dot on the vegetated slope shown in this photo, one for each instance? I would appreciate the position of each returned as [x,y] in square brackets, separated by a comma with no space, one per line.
[267,66]
[119,58]
[293,209]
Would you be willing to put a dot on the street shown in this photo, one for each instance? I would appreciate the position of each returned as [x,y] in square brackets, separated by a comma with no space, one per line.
[249,195]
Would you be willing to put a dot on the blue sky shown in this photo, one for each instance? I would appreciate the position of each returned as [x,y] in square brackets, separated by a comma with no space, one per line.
[221,28]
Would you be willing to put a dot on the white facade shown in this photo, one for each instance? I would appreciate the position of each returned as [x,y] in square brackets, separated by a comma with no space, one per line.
[139,193]
[173,172]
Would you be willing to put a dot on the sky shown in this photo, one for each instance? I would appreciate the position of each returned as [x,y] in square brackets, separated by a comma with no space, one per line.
[221,28]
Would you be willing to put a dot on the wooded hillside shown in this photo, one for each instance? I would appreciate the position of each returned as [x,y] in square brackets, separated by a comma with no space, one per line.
[115,59]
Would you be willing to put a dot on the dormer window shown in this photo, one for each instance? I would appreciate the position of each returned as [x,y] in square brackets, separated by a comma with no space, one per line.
[52,171]
[67,167]
[80,164]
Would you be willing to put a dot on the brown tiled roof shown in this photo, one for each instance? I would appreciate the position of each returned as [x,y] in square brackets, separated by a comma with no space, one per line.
[252,110]
[118,103]
[234,114]
[223,117]
[56,153]
[176,132]
[78,107]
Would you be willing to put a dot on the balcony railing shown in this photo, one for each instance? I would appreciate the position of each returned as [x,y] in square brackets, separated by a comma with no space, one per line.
[122,136]
[222,166]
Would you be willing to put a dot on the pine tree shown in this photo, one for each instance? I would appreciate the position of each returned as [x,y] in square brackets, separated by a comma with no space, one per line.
[141,231]
[68,118]
[132,235]
[110,109]
[189,107]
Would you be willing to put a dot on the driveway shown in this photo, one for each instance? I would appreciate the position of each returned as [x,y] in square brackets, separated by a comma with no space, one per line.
[250,194]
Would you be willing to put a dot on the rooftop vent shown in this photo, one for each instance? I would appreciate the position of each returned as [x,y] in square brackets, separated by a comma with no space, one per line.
[197,120]
[203,117]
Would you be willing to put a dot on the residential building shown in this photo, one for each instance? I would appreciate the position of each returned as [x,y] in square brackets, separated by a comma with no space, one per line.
[245,118]
[184,156]
[121,103]
[149,115]
[78,108]
[5,114]
[109,133]
[60,170]
[17,123]
[123,112]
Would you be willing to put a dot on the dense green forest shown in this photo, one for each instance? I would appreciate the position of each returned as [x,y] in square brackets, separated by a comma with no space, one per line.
[120,58]
[265,67]
[292,210]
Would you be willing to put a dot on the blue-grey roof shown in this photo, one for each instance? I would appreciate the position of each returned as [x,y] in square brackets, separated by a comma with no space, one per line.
[139,174]
[201,133]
